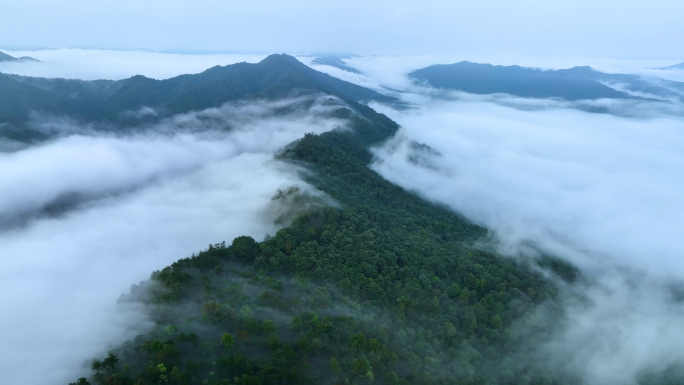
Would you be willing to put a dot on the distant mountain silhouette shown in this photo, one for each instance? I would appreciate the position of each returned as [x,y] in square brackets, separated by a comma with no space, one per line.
[570,84]
[5,58]
[277,76]
[336,62]
[679,66]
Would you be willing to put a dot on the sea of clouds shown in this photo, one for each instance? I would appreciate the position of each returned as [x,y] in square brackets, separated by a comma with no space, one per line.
[85,216]
[602,191]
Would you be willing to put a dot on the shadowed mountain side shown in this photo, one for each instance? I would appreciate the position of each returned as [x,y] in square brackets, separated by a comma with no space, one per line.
[277,76]
[576,83]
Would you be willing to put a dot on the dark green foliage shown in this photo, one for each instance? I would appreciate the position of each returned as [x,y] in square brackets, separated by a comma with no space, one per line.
[81,381]
[245,249]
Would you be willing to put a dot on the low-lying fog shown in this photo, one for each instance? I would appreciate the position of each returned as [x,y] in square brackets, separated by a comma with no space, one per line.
[127,205]
[600,190]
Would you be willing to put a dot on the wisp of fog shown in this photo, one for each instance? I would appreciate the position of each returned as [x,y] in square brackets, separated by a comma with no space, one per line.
[138,202]
[600,190]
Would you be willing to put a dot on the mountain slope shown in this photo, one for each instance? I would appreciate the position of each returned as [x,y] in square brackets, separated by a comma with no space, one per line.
[570,84]
[17,101]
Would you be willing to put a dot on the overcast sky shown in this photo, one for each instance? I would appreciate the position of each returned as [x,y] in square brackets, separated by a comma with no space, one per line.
[607,28]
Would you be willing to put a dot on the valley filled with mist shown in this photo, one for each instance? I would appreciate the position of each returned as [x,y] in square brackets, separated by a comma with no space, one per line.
[340,219]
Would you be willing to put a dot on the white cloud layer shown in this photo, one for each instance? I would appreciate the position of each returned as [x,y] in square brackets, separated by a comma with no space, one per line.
[158,197]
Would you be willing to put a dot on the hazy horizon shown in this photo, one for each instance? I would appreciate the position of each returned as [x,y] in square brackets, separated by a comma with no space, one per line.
[628,30]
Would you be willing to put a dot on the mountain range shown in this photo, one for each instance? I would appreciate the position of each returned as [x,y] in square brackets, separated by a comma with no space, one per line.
[277,76]
[577,83]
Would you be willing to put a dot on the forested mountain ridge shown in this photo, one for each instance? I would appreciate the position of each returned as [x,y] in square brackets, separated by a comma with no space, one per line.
[118,102]
[384,288]
[576,83]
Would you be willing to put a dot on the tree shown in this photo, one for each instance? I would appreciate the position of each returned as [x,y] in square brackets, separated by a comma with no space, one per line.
[81,381]
[449,329]
[245,248]
[227,340]
[335,365]
[268,326]
[361,367]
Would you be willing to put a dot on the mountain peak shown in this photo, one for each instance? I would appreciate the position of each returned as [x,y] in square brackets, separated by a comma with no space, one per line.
[281,59]
[582,69]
